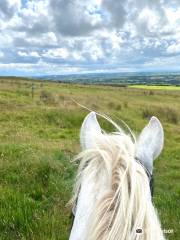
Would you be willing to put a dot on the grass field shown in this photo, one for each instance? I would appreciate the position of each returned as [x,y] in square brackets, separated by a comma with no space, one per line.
[39,135]
[156,87]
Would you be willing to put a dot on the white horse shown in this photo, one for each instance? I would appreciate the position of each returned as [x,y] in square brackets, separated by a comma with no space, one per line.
[112,196]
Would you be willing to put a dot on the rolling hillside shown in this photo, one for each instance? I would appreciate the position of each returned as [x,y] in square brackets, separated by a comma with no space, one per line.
[39,135]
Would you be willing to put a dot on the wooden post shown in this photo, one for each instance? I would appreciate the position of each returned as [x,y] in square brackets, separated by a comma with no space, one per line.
[32,90]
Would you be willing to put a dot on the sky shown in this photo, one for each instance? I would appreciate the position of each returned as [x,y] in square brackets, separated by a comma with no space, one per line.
[44,37]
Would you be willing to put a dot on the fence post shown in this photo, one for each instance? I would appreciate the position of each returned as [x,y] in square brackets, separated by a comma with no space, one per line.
[32,90]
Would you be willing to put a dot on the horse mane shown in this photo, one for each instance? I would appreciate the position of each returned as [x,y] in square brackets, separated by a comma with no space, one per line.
[123,200]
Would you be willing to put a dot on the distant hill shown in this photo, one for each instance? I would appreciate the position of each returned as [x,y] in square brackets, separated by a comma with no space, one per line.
[118,78]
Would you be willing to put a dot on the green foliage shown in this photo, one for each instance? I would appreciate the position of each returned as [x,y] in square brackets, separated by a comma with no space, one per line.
[39,137]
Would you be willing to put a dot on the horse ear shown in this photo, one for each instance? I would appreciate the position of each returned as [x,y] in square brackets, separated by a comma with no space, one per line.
[150,143]
[90,129]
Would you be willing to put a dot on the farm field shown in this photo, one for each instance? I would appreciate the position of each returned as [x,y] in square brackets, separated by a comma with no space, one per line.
[156,87]
[39,135]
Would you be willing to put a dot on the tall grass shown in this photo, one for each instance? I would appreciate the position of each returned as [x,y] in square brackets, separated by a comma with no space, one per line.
[168,114]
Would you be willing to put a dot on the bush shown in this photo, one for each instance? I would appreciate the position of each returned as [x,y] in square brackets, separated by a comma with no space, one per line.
[47,98]
[147,113]
[112,105]
[170,115]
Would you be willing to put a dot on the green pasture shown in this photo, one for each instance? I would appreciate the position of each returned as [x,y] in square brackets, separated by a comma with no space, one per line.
[156,87]
[39,135]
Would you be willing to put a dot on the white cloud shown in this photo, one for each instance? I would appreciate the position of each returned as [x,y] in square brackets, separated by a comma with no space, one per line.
[28,54]
[174,48]
[77,56]
[56,53]
[8,8]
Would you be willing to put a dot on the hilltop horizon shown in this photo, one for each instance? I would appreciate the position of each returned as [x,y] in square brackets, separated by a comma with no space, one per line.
[134,73]
[123,78]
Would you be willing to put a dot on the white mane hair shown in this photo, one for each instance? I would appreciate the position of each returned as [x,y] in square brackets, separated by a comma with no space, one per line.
[112,196]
